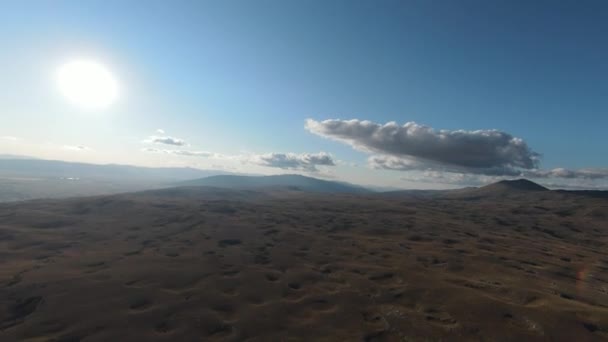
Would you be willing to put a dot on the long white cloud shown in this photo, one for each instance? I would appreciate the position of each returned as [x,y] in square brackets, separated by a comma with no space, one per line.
[451,178]
[292,161]
[76,148]
[166,140]
[307,162]
[179,152]
[413,164]
[417,147]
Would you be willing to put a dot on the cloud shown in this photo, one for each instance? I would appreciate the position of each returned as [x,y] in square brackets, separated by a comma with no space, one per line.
[291,161]
[307,162]
[166,140]
[9,138]
[411,164]
[288,161]
[160,131]
[192,153]
[451,178]
[418,147]
[76,148]
[179,152]
[568,174]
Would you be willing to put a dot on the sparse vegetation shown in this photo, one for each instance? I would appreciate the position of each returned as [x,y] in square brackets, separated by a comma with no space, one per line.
[232,265]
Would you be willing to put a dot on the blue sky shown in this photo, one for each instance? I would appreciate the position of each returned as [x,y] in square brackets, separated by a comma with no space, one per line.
[238,79]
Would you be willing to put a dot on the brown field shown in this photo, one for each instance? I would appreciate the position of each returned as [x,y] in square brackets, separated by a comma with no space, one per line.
[203,264]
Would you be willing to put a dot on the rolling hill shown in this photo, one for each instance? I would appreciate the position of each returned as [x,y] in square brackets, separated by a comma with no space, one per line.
[504,188]
[517,185]
[23,178]
[293,182]
[498,189]
[42,168]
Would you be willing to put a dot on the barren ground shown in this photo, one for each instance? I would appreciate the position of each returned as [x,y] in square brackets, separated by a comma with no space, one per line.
[200,264]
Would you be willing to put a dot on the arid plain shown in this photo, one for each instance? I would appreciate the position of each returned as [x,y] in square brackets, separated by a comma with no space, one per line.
[205,264]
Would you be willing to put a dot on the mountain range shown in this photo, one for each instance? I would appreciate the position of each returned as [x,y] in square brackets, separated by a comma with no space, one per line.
[289,181]
[23,178]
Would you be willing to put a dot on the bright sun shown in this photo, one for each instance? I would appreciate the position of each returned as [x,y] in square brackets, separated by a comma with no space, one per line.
[87,84]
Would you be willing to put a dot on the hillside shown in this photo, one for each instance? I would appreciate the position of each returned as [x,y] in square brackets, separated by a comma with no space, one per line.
[514,185]
[504,188]
[293,182]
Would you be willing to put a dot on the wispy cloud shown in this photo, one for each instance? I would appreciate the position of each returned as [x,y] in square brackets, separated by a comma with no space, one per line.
[166,140]
[451,178]
[9,138]
[76,148]
[307,162]
[179,152]
[160,131]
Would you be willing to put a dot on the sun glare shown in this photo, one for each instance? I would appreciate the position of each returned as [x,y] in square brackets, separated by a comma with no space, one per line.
[87,84]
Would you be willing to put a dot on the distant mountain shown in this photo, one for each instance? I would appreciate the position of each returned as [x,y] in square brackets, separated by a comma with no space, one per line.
[505,188]
[41,168]
[23,179]
[15,156]
[517,184]
[293,182]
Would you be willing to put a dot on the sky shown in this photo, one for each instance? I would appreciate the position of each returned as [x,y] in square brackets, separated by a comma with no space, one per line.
[408,94]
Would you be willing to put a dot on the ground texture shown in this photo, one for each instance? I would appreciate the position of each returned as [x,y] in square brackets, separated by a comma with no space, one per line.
[199,264]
